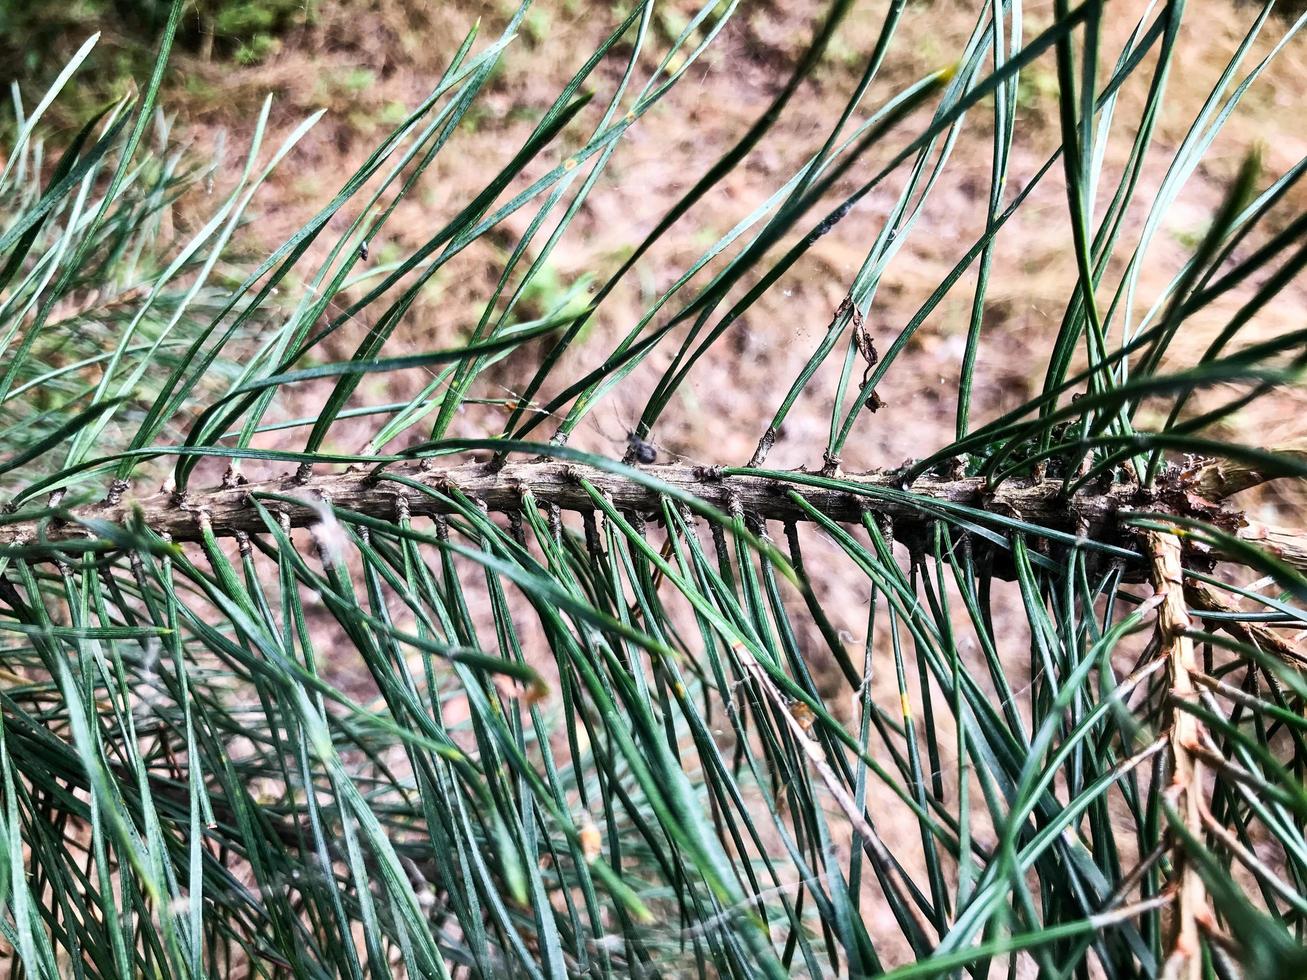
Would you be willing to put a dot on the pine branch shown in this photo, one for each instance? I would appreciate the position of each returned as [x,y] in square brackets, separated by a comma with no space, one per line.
[769,495]
[1217,479]
[231,509]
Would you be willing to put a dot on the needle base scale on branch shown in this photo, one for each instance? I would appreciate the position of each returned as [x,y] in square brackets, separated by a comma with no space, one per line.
[231,509]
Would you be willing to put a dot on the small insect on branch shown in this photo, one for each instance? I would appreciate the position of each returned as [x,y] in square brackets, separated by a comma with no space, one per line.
[862,339]
[641,451]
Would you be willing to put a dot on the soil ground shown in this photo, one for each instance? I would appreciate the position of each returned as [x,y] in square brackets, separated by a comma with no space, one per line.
[366,62]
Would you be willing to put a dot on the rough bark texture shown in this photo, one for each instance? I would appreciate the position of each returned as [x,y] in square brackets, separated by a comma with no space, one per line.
[1090,513]
[1185,959]
[231,509]
[1217,479]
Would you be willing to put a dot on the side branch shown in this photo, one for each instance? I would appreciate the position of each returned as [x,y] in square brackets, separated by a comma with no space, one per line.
[1185,791]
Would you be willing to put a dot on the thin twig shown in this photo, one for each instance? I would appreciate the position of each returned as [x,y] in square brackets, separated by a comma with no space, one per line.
[1203,598]
[1185,959]
[1216,479]
[1253,863]
[1125,912]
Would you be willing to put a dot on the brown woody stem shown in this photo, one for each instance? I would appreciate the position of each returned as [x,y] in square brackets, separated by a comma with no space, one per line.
[230,509]
[1217,479]
[1185,791]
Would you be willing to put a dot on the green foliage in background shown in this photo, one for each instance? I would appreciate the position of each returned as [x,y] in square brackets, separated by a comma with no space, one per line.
[37,38]
[378,743]
[242,29]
